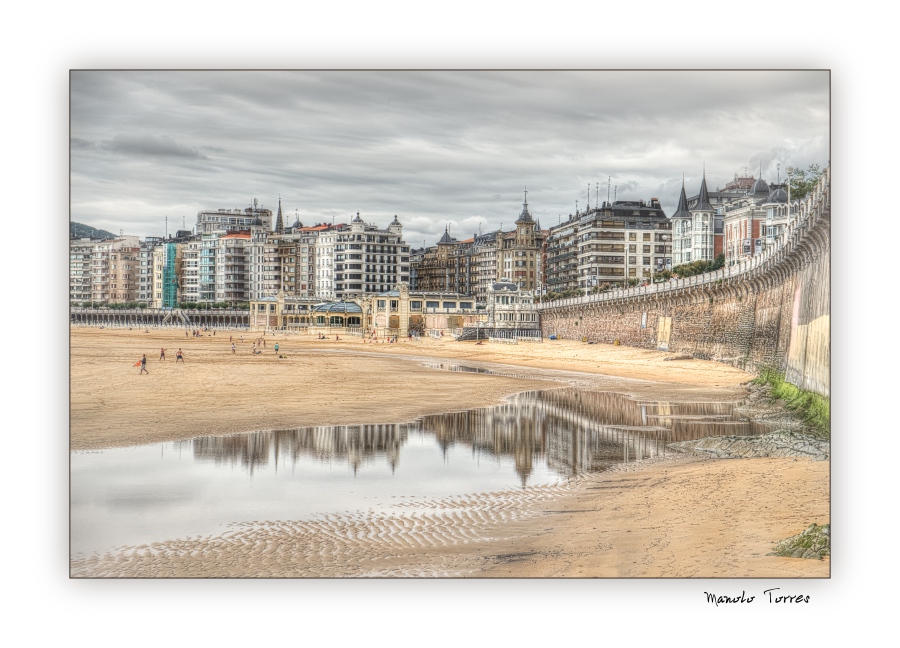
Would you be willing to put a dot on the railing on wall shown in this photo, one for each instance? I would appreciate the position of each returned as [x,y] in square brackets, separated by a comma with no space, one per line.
[803,215]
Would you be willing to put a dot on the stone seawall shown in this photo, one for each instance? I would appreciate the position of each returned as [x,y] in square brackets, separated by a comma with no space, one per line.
[776,315]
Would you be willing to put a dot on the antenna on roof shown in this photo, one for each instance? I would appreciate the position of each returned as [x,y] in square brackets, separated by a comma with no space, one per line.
[608,180]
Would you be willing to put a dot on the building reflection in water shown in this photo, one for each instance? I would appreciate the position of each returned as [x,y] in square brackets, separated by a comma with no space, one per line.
[573,431]
[355,444]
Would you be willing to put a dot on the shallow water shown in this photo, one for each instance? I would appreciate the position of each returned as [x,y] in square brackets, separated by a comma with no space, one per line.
[132,496]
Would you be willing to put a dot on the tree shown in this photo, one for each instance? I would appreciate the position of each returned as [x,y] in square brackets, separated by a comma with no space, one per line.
[802,182]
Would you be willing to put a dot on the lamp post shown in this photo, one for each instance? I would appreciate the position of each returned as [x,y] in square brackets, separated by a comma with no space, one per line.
[789,170]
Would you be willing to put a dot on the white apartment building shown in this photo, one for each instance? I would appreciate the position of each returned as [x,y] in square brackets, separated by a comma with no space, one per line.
[81,252]
[190,272]
[324,261]
[145,269]
[364,259]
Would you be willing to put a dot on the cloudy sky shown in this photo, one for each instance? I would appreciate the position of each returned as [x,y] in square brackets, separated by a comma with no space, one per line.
[438,148]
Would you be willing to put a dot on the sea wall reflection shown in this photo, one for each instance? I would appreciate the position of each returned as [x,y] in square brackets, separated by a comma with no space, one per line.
[571,431]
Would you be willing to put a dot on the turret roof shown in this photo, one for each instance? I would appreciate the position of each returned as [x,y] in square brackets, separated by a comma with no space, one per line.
[682,210]
[703,199]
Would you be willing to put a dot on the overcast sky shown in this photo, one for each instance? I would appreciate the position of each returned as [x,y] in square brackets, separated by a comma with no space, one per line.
[435,148]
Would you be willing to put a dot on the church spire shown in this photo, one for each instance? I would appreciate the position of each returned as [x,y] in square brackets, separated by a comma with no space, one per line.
[279,222]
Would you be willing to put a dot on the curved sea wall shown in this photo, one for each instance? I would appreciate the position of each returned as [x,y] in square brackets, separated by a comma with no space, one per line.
[772,311]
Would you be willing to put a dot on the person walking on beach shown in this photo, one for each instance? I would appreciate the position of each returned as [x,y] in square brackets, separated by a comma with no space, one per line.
[162,354]
[276,348]
[233,348]
[179,356]
[144,364]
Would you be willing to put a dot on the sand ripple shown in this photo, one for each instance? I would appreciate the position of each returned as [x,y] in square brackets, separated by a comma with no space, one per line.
[415,539]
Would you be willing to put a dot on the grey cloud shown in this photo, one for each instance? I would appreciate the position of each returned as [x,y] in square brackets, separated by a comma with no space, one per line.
[145,144]
[431,147]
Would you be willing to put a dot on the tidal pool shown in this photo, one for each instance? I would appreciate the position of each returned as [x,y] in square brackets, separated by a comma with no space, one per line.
[131,496]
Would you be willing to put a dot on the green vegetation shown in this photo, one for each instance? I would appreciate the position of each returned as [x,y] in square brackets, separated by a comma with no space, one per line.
[814,542]
[802,182]
[814,410]
[690,269]
[78,230]
[112,305]
[563,294]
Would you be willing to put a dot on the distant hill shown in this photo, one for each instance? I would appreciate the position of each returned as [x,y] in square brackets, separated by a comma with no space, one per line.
[77,230]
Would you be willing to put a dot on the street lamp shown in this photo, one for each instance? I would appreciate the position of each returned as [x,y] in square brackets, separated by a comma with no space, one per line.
[789,170]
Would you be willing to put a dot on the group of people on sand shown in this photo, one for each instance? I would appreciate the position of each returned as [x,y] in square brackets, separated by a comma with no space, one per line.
[179,355]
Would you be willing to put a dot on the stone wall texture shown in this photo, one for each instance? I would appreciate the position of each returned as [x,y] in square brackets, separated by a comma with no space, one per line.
[774,315]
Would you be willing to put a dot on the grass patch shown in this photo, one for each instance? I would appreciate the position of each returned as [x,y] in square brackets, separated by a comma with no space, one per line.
[813,409]
[815,542]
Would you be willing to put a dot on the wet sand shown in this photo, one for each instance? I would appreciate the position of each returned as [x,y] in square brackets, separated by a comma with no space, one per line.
[676,518]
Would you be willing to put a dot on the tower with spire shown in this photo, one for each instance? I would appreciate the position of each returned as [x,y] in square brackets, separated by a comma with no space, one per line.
[279,221]
[519,252]
[681,230]
[703,217]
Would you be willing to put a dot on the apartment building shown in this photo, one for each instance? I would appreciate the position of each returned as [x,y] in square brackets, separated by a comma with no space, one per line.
[234,220]
[562,256]
[609,244]
[124,264]
[189,272]
[81,251]
[365,259]
[519,253]
[754,221]
[109,275]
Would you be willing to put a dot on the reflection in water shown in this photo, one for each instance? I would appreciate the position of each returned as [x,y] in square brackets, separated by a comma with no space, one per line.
[572,431]
[578,431]
[128,496]
[357,444]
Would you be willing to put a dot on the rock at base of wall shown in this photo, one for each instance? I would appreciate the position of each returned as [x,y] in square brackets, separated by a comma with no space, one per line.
[776,444]
[814,542]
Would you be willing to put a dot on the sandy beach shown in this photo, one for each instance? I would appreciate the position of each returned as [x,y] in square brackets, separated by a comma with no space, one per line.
[682,517]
